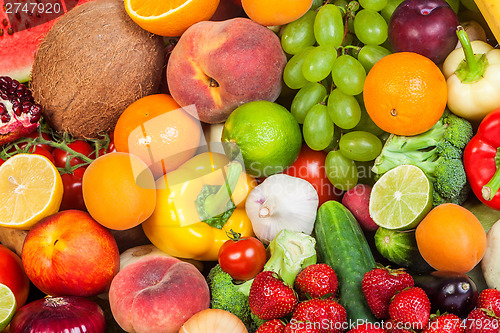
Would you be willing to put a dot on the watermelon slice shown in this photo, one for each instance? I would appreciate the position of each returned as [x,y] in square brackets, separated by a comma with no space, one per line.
[23,25]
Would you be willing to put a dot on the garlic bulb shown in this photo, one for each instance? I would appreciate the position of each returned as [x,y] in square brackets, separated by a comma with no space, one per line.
[282,202]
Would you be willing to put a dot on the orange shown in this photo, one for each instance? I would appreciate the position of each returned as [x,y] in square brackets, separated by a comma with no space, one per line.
[169,17]
[405,93]
[119,190]
[451,238]
[158,131]
[275,12]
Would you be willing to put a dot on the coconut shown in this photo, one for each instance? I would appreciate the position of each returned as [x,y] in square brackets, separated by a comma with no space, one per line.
[92,64]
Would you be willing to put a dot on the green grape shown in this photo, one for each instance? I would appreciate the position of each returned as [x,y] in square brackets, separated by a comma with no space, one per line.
[292,74]
[318,63]
[387,11]
[342,4]
[370,27]
[299,34]
[316,4]
[318,128]
[366,123]
[376,5]
[329,26]
[370,54]
[348,75]
[341,171]
[312,93]
[360,146]
[344,110]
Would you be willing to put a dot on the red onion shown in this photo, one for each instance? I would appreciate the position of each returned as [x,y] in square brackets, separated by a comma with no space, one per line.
[59,315]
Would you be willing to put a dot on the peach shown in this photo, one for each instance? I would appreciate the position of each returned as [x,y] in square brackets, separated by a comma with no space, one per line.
[218,66]
[157,294]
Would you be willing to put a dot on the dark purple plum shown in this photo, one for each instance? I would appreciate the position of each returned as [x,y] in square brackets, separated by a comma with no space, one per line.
[427,27]
[449,291]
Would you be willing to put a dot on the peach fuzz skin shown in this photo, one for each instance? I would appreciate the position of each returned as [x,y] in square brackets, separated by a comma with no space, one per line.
[157,294]
[218,66]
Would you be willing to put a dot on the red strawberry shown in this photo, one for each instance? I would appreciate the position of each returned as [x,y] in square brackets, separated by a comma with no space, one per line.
[272,326]
[411,306]
[316,281]
[490,299]
[301,327]
[270,298]
[379,286]
[445,323]
[482,321]
[325,314]
[368,328]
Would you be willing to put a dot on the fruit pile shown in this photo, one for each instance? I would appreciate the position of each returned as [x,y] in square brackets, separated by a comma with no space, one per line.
[249,166]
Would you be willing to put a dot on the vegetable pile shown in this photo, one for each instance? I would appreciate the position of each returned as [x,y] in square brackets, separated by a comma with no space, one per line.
[320,167]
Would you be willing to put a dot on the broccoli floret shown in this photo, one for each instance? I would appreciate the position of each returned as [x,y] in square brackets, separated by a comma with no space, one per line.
[226,295]
[438,152]
[291,251]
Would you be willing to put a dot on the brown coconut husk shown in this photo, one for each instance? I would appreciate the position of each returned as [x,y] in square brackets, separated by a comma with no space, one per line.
[93,63]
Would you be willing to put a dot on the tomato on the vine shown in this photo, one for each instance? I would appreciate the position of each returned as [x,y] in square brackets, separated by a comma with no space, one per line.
[45,136]
[72,194]
[310,165]
[80,146]
[242,258]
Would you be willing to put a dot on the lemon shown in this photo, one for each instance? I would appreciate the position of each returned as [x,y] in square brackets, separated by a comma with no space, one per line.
[31,188]
[7,306]
[401,198]
[266,135]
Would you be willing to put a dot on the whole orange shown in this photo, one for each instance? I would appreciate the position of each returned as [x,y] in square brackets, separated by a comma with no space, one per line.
[170,17]
[405,93]
[119,190]
[275,12]
[451,238]
[158,131]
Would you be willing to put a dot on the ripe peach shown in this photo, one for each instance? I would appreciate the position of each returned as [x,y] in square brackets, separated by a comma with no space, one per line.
[218,66]
[157,294]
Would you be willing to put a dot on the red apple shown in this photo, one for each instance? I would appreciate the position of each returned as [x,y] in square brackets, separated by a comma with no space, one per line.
[13,276]
[70,254]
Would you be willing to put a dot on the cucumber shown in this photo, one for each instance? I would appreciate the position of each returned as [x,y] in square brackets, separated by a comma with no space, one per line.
[400,248]
[342,245]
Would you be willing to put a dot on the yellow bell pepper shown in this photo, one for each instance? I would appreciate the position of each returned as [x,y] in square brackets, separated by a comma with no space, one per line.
[199,185]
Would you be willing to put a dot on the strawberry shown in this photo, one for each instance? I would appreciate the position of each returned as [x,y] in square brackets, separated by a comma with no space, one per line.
[270,298]
[316,281]
[272,326]
[368,328]
[490,299]
[325,314]
[445,323]
[482,321]
[411,306]
[380,284]
[300,327]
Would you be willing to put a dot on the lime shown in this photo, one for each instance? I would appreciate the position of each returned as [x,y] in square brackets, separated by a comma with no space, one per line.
[7,306]
[265,134]
[401,198]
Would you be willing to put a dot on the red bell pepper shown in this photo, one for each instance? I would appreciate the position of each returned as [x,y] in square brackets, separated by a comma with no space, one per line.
[482,161]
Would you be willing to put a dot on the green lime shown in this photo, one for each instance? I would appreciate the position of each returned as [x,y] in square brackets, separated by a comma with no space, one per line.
[267,136]
[7,306]
[401,198]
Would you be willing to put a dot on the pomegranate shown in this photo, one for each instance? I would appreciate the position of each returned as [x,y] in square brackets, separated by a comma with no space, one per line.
[19,114]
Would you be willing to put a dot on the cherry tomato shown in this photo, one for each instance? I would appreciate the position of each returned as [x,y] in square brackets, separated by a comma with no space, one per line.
[13,276]
[111,147]
[73,194]
[80,146]
[310,165]
[242,259]
[40,150]
[47,137]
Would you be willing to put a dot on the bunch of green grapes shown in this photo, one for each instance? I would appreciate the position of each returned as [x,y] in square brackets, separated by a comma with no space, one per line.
[332,48]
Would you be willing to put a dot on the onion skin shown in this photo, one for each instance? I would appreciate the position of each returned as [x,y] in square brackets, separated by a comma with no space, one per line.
[213,320]
[59,315]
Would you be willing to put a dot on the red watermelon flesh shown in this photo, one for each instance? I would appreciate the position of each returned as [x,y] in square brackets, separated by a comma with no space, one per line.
[23,25]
